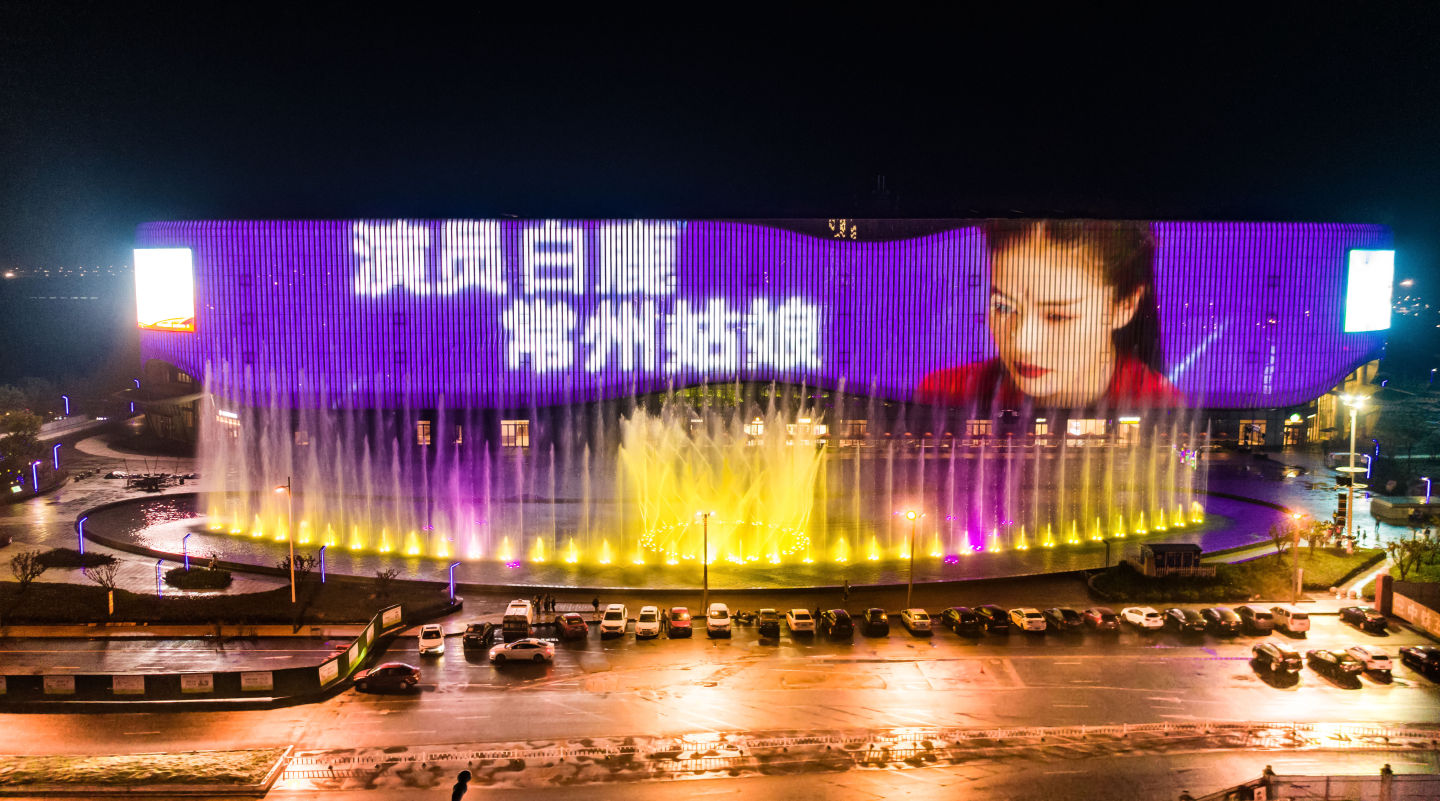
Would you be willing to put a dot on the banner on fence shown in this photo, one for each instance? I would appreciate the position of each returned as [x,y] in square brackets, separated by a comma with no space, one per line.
[197,682]
[59,685]
[127,685]
[256,681]
[329,671]
[390,618]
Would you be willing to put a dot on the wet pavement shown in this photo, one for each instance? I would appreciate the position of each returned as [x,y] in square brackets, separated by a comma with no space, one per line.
[201,655]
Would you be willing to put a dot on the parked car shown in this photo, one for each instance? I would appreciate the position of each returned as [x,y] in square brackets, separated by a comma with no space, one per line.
[1185,621]
[1255,620]
[1424,658]
[647,625]
[916,621]
[836,624]
[1336,664]
[1221,620]
[526,650]
[1291,620]
[432,640]
[1062,618]
[1367,618]
[1144,618]
[800,621]
[677,623]
[995,618]
[875,622]
[391,676]
[1276,657]
[1101,618]
[962,620]
[717,620]
[1374,659]
[614,621]
[767,623]
[519,618]
[1028,618]
[478,635]
[571,626]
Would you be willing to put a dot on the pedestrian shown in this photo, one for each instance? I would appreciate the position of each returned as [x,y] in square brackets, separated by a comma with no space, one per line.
[596,605]
[549,603]
[462,783]
[845,593]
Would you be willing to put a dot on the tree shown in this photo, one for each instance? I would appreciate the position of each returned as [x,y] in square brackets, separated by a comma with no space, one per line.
[1278,536]
[384,580]
[106,576]
[304,565]
[27,566]
[19,443]
[1407,555]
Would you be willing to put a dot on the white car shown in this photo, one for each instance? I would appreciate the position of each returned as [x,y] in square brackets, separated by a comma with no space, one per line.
[526,650]
[799,620]
[613,623]
[432,640]
[647,625]
[1142,617]
[1374,659]
[717,620]
[915,620]
[1027,619]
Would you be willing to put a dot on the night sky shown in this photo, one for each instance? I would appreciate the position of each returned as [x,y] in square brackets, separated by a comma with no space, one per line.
[112,114]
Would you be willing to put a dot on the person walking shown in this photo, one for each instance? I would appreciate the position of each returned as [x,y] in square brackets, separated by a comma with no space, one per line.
[595,604]
[462,783]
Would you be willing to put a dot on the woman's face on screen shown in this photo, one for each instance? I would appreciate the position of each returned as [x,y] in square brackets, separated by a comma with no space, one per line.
[1053,317]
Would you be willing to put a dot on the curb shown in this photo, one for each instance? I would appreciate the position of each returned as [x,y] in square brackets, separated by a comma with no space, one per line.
[256,790]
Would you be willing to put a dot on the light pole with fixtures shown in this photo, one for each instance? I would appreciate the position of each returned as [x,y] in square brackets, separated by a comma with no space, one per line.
[289,529]
[912,516]
[1355,402]
[705,563]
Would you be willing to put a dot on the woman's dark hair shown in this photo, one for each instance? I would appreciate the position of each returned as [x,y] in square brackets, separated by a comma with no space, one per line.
[1126,252]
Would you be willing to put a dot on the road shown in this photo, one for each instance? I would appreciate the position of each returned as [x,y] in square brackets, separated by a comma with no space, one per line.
[616,687]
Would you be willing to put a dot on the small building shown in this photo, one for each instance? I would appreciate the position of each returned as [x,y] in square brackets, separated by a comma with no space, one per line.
[1172,559]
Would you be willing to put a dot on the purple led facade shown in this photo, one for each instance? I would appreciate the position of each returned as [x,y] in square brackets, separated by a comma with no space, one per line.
[521,313]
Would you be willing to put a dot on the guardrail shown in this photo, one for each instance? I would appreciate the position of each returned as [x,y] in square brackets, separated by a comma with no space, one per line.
[266,685]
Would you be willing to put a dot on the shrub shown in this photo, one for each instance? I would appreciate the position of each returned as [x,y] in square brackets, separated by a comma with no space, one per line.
[197,578]
[69,557]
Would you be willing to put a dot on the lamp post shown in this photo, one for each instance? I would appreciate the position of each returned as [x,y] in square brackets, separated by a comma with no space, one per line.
[1427,489]
[159,590]
[66,398]
[289,530]
[453,565]
[185,550]
[912,516]
[35,475]
[322,570]
[1295,556]
[81,535]
[1355,402]
[705,563]
[55,455]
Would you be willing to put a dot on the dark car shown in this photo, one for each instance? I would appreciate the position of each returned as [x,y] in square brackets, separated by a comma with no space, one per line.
[836,624]
[875,622]
[1101,618]
[1185,621]
[571,626]
[1365,617]
[1221,619]
[767,623]
[962,620]
[1336,664]
[478,635]
[391,676]
[1255,620]
[994,618]
[1424,658]
[1062,618]
[1276,658]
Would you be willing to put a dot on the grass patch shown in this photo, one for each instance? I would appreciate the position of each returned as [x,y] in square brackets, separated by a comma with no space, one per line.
[137,770]
[69,557]
[1425,572]
[1265,577]
[336,602]
[197,578]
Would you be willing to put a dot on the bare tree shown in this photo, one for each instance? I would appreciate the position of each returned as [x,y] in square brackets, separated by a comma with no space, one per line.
[1278,536]
[107,576]
[384,580]
[27,566]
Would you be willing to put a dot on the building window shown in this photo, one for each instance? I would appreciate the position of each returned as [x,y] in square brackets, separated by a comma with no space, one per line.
[422,432]
[515,433]
[1085,428]
[1042,427]
[459,435]
[977,428]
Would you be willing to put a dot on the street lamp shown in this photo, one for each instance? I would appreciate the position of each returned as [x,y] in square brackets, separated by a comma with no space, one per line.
[185,550]
[322,570]
[159,589]
[66,398]
[1355,402]
[289,529]
[912,516]
[705,563]
[81,528]
[453,565]
[55,455]
[1295,556]
[35,475]
[1427,489]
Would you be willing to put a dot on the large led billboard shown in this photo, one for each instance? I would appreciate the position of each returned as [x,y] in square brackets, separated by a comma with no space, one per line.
[165,289]
[1368,286]
[523,313]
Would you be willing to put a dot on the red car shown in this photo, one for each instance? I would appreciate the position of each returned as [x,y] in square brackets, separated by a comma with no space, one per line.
[571,626]
[1101,618]
[393,676]
[676,622]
